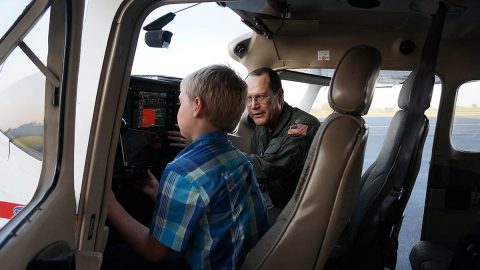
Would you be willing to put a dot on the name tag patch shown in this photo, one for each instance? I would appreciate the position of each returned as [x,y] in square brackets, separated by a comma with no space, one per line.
[298,129]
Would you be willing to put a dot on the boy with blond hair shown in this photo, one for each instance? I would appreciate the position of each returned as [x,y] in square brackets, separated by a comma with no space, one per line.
[209,209]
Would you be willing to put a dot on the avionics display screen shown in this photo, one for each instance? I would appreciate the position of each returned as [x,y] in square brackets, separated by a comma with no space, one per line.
[152,104]
[152,109]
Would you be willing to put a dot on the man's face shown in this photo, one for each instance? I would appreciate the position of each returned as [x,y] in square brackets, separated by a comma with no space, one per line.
[263,106]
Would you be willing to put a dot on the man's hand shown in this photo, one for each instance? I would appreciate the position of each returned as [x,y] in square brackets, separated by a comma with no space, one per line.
[150,187]
[176,139]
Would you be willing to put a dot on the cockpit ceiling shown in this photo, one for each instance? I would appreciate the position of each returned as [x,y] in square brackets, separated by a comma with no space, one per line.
[303,17]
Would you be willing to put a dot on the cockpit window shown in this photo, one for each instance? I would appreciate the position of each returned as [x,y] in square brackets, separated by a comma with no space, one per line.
[9,12]
[22,111]
[21,118]
[193,45]
[314,98]
[466,126]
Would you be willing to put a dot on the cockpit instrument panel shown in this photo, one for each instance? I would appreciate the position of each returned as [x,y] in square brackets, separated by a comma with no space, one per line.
[150,111]
[152,103]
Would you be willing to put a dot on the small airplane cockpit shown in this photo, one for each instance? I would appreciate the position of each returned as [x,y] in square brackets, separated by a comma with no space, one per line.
[89,96]
[150,111]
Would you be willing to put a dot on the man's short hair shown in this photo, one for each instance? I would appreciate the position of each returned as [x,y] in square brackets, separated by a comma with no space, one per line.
[223,92]
[275,82]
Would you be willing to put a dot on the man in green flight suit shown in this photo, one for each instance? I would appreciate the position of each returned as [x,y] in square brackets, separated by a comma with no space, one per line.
[282,137]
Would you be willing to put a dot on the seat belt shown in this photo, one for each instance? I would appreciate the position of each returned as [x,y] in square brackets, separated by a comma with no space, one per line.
[419,101]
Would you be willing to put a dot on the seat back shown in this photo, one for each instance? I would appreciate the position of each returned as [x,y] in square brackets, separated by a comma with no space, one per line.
[383,197]
[370,240]
[243,134]
[308,227]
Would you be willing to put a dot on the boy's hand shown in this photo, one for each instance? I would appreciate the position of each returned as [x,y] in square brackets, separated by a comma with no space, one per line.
[150,187]
[176,139]
[113,204]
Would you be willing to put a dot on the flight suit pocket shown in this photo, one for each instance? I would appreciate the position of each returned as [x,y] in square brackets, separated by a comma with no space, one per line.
[274,146]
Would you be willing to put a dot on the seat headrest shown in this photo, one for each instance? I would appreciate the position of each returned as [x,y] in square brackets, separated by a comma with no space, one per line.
[406,92]
[353,83]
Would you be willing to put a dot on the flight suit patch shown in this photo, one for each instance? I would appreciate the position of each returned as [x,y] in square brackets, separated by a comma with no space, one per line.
[298,129]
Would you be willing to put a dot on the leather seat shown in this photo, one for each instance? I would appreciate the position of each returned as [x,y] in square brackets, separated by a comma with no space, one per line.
[430,256]
[465,254]
[310,224]
[370,238]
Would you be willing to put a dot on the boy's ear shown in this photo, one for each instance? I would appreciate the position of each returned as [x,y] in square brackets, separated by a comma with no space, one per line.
[199,107]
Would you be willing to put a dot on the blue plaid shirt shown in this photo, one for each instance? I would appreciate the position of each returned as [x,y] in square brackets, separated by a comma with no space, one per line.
[209,205]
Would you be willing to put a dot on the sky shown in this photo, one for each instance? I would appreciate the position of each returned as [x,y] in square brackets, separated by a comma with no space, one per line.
[9,11]
[201,36]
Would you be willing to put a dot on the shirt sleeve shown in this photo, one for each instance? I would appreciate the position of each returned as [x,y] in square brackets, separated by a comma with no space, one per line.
[179,207]
[282,158]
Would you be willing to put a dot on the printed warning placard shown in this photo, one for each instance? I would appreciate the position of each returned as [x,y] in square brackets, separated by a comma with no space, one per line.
[324,55]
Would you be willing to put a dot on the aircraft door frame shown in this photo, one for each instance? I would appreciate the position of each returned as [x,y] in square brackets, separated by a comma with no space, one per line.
[46,225]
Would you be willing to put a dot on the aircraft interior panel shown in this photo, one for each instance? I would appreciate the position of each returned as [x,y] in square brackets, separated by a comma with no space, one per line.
[150,111]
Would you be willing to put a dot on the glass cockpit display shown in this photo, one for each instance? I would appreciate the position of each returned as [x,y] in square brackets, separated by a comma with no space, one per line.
[154,109]
[150,111]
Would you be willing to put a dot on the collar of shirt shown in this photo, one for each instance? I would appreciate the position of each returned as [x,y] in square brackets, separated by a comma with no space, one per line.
[284,119]
[217,137]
